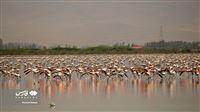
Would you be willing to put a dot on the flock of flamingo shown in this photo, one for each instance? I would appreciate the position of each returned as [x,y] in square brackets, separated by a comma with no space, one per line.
[102,67]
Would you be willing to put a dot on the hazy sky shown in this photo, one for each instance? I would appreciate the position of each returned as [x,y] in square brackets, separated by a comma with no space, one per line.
[94,22]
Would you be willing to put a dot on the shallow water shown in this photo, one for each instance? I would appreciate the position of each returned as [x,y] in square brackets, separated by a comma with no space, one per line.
[113,95]
[179,94]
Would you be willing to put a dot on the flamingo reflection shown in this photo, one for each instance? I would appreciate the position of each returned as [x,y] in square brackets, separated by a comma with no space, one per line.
[51,88]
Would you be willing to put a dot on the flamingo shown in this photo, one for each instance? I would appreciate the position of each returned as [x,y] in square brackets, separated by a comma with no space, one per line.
[67,73]
[47,72]
[16,75]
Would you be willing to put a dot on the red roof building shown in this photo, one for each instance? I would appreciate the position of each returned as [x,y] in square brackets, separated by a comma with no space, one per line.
[137,46]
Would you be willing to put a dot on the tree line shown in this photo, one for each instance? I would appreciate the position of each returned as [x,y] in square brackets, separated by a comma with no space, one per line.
[118,48]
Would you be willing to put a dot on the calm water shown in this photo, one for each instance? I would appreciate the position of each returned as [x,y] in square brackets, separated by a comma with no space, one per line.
[114,95]
[180,94]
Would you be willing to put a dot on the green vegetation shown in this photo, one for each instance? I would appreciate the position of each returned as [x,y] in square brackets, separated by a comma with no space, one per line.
[119,48]
[92,50]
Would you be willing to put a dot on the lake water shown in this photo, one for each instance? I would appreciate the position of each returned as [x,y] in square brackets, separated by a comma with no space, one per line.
[179,94]
[114,95]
